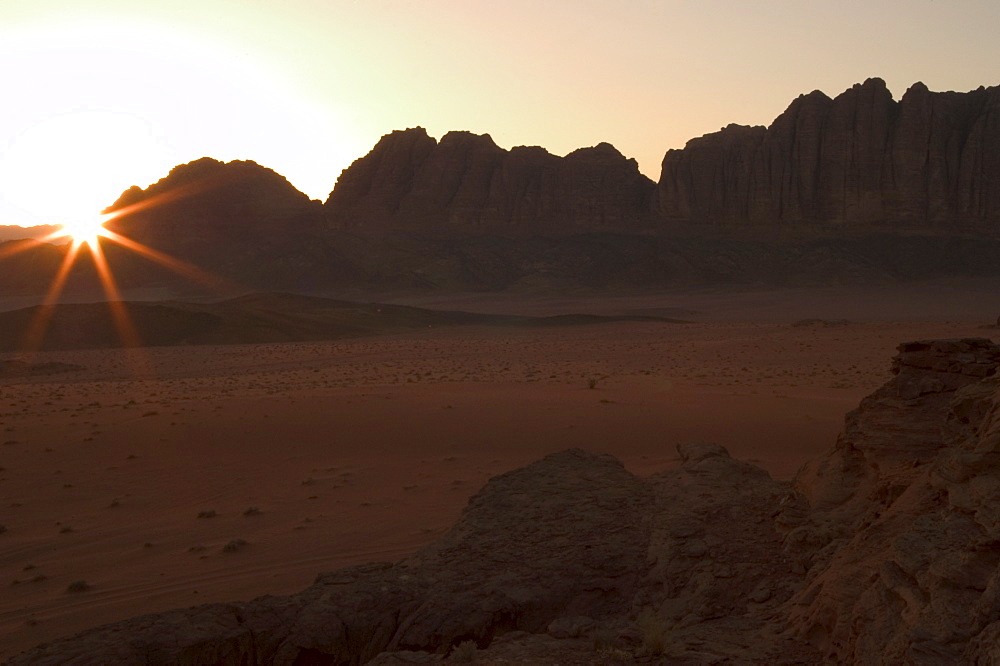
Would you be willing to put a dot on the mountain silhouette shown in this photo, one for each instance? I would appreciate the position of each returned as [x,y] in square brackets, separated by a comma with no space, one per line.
[854,189]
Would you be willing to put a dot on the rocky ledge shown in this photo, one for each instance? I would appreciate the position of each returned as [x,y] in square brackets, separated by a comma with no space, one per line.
[887,548]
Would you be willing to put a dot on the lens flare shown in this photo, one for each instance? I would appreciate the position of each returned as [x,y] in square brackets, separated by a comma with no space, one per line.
[86,230]
[90,232]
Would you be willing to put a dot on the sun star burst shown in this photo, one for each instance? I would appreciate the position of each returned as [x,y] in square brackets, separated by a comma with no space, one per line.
[89,231]
[85,230]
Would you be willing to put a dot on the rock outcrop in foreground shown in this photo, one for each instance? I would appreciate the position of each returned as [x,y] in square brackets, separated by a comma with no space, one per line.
[886,549]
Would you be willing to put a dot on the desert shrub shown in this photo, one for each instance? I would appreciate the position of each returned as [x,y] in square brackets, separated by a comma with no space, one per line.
[207,514]
[592,382]
[234,545]
[603,639]
[252,511]
[655,633]
[464,652]
[78,586]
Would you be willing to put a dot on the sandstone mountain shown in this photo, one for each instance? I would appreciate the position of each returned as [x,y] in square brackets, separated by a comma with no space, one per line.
[884,550]
[239,220]
[858,161]
[467,184]
[247,225]
[855,189]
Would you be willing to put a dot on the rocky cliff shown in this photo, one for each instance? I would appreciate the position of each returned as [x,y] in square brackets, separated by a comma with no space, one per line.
[869,189]
[858,161]
[466,184]
[884,550]
[861,161]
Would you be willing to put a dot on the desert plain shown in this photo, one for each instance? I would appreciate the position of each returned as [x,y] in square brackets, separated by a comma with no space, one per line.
[173,476]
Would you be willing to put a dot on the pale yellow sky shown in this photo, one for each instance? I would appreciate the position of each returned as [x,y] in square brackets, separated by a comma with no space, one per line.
[103,94]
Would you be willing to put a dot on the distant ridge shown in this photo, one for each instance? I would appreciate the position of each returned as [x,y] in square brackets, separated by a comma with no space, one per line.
[9,232]
[856,189]
[467,184]
[861,160]
[256,318]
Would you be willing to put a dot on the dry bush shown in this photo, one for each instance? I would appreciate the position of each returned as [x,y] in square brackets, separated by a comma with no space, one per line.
[78,586]
[655,633]
[464,652]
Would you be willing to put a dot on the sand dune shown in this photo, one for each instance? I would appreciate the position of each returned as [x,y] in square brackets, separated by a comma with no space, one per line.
[254,318]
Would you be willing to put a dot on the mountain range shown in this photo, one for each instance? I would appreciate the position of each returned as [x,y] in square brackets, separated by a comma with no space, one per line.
[854,189]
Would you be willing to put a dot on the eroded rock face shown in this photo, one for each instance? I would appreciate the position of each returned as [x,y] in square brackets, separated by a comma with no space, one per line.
[902,540]
[886,549]
[466,184]
[860,160]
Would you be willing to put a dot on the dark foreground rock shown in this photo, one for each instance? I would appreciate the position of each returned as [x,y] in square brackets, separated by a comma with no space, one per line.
[902,542]
[884,550]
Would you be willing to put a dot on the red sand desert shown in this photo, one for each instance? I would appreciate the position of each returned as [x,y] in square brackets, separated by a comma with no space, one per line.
[322,455]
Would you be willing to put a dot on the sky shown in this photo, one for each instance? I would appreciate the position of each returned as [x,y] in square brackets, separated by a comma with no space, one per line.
[99,95]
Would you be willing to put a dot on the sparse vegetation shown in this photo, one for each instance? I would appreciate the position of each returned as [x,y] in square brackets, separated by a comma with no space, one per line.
[603,639]
[78,586]
[464,652]
[655,633]
[592,382]
[234,545]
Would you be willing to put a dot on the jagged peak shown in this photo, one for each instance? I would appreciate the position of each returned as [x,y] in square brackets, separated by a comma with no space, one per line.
[602,151]
[815,95]
[409,135]
[531,150]
[207,173]
[872,88]
[872,82]
[918,88]
[465,137]
[725,134]
[409,131]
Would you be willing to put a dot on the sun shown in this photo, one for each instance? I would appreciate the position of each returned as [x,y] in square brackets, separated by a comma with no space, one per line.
[85,230]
